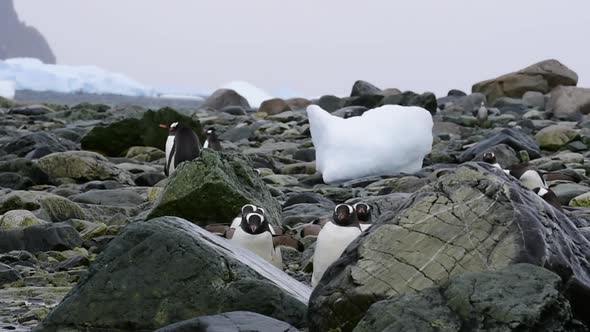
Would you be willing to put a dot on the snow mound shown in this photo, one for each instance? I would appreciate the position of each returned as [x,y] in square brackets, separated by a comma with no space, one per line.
[7,89]
[32,74]
[254,95]
[384,140]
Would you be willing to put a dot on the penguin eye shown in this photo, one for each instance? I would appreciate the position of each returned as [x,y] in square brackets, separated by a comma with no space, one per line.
[262,210]
[248,208]
[254,218]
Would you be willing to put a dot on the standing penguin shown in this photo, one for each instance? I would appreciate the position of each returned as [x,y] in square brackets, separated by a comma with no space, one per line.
[182,144]
[549,196]
[482,114]
[490,158]
[333,239]
[212,141]
[363,213]
[255,234]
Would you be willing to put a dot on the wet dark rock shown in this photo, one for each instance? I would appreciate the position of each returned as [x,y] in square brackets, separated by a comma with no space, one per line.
[230,321]
[37,145]
[46,237]
[510,137]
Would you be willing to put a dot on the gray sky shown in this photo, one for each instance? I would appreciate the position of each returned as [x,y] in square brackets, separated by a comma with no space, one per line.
[314,47]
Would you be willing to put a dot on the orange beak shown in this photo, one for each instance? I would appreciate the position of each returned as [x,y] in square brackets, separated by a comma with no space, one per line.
[163,126]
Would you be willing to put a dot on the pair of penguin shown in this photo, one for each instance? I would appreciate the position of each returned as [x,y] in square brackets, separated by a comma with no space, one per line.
[530,178]
[251,230]
[363,213]
[337,234]
[183,144]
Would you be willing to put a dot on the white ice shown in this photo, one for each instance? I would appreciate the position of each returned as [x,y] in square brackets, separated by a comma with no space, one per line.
[384,140]
[32,74]
[253,94]
[7,89]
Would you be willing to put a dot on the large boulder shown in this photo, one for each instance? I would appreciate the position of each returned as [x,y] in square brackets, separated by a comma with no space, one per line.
[427,100]
[82,166]
[213,189]
[223,98]
[235,321]
[569,103]
[116,138]
[362,88]
[445,229]
[554,137]
[167,270]
[522,297]
[510,137]
[541,77]
[27,169]
[274,106]
[37,145]
[18,219]
[52,207]
[37,238]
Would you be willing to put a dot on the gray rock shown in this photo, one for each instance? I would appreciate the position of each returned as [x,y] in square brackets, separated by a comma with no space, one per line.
[568,191]
[37,145]
[18,219]
[305,154]
[510,137]
[239,133]
[223,98]
[505,155]
[569,103]
[330,103]
[82,166]
[534,99]
[234,110]
[274,106]
[8,274]
[507,104]
[554,137]
[236,321]
[189,273]
[362,88]
[468,220]
[148,179]
[46,237]
[114,197]
[521,297]
[25,168]
[350,111]
[53,208]
[30,110]
[213,189]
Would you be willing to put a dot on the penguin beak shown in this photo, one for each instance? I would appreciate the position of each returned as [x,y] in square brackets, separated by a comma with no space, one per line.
[253,228]
[341,216]
[163,126]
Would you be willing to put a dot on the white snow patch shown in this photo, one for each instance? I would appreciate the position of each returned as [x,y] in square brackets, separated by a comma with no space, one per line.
[7,89]
[180,96]
[253,94]
[32,74]
[384,140]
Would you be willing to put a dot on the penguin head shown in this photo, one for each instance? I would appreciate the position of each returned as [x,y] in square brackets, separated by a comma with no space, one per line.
[171,128]
[363,211]
[211,131]
[251,208]
[254,223]
[257,171]
[344,215]
[540,191]
[489,157]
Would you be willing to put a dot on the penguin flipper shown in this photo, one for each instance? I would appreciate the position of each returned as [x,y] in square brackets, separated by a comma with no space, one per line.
[217,229]
[287,241]
[170,159]
[310,230]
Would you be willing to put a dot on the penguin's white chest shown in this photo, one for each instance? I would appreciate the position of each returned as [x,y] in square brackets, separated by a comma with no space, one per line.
[532,179]
[260,244]
[331,243]
[482,113]
[169,146]
[206,145]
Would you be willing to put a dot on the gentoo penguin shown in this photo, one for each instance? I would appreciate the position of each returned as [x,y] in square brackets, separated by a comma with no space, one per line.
[363,213]
[333,239]
[482,114]
[182,144]
[528,176]
[549,196]
[255,234]
[490,158]
[212,141]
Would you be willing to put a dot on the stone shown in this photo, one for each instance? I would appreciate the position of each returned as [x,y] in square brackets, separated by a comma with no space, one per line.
[145,153]
[566,192]
[30,110]
[534,99]
[82,166]
[513,138]
[114,197]
[297,104]
[148,179]
[582,200]
[307,155]
[213,189]
[230,321]
[426,100]
[554,137]
[190,273]
[37,145]
[540,77]
[569,103]
[234,110]
[26,168]
[521,297]
[274,106]
[445,229]
[55,208]
[362,88]
[8,274]
[238,133]
[505,155]
[222,98]
[350,111]
[116,138]
[330,103]
[18,219]
[37,238]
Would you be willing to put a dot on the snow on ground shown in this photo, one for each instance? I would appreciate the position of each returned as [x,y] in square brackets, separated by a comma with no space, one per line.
[32,74]
[254,95]
[385,140]
[7,89]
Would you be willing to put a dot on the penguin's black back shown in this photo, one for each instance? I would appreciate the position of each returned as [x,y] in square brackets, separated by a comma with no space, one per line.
[186,145]
[214,142]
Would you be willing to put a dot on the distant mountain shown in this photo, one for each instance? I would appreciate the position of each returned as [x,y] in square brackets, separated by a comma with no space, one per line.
[19,40]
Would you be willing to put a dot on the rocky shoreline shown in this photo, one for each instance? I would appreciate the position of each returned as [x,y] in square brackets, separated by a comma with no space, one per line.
[93,236]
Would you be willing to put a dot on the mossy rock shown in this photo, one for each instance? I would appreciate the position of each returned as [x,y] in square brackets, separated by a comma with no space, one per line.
[18,219]
[213,188]
[118,137]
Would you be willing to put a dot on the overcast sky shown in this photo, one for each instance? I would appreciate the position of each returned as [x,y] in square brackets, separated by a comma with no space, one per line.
[314,47]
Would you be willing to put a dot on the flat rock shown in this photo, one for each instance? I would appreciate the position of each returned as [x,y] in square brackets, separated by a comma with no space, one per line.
[46,237]
[569,103]
[53,207]
[235,321]
[554,137]
[513,138]
[114,197]
[30,110]
[37,145]
[190,273]
[568,191]
[274,106]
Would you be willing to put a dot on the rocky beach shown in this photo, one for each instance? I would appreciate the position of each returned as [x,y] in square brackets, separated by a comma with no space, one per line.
[95,237]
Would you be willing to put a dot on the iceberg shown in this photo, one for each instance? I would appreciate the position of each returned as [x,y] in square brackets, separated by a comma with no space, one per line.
[32,74]
[254,95]
[385,140]
[7,89]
